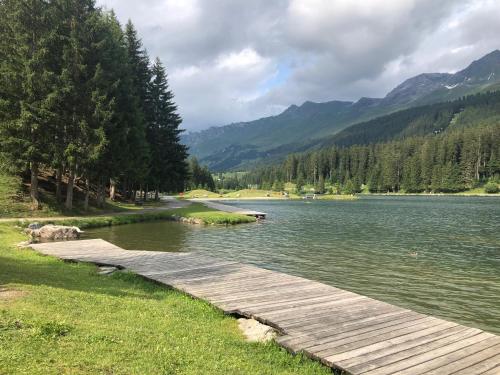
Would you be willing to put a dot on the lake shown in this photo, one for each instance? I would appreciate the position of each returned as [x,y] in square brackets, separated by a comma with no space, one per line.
[436,255]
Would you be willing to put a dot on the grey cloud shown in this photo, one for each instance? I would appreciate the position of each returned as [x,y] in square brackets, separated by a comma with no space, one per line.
[221,53]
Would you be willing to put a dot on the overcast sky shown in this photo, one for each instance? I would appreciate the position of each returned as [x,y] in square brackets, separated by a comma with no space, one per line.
[238,60]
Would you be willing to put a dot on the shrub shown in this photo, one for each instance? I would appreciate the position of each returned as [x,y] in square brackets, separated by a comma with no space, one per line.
[491,188]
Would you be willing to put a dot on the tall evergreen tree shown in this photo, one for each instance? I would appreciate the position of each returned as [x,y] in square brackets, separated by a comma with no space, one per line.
[26,85]
[167,153]
[139,153]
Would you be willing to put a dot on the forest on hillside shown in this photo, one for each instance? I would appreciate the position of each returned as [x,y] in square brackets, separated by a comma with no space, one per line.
[80,99]
[448,147]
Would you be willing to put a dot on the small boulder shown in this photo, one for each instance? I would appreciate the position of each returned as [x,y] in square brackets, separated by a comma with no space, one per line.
[55,232]
[34,226]
[255,331]
[106,270]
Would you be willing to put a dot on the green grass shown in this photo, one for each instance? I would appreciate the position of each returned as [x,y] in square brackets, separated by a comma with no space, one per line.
[333,197]
[13,201]
[69,320]
[255,193]
[200,193]
[211,216]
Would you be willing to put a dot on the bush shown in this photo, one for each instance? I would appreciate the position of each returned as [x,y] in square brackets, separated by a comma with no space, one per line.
[491,188]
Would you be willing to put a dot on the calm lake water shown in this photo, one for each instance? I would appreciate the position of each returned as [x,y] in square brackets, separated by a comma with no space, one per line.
[364,246]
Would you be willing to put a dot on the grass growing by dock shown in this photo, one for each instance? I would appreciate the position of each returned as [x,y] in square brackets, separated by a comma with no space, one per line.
[212,216]
[334,197]
[58,317]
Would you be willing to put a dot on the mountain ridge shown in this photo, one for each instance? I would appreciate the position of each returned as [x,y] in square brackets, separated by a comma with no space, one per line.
[235,145]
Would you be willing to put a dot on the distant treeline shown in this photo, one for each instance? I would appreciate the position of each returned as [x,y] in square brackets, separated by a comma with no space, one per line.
[451,161]
[80,98]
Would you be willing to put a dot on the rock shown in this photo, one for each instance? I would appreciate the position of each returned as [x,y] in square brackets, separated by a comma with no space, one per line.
[255,331]
[107,270]
[187,220]
[23,244]
[35,226]
[55,232]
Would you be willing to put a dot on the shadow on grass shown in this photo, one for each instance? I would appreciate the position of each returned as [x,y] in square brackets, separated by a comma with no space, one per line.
[78,277]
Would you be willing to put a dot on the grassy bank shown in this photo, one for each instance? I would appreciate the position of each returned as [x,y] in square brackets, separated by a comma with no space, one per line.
[333,197]
[63,318]
[198,211]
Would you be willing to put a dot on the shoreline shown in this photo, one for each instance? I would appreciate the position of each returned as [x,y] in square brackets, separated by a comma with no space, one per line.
[192,213]
[343,197]
[430,194]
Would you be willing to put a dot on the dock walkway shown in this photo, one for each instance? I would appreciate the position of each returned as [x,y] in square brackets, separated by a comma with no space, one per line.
[233,209]
[342,329]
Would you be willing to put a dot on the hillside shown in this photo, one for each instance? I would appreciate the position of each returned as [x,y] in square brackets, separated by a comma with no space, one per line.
[474,110]
[299,128]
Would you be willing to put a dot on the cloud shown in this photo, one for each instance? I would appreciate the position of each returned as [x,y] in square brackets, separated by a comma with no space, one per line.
[237,60]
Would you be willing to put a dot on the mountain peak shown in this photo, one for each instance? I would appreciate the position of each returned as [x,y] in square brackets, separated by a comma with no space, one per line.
[416,87]
[485,69]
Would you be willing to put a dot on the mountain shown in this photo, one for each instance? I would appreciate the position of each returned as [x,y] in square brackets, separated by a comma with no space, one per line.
[299,128]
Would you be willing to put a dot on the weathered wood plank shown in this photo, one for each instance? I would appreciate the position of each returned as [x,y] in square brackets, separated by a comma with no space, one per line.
[421,363]
[408,349]
[466,362]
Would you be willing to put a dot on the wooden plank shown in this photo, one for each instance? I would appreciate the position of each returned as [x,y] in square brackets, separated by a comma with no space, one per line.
[368,348]
[432,366]
[421,363]
[493,371]
[472,363]
[362,312]
[339,332]
[383,357]
[304,311]
[332,344]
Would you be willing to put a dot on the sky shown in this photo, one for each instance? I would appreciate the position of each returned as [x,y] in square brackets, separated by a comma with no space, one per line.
[239,60]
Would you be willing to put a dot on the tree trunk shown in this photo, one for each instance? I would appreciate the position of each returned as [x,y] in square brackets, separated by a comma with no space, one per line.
[146,192]
[87,194]
[102,194]
[99,195]
[112,189]
[59,172]
[157,195]
[35,201]
[69,190]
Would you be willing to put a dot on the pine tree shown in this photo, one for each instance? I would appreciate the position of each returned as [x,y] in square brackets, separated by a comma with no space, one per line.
[140,75]
[26,85]
[167,154]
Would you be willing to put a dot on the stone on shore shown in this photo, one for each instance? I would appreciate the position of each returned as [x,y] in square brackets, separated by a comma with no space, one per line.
[255,331]
[54,232]
[187,220]
[106,270]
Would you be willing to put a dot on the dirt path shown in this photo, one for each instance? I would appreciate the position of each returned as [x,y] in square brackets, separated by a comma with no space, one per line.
[169,204]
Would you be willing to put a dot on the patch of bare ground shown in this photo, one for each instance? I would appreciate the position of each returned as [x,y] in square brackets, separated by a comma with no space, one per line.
[10,294]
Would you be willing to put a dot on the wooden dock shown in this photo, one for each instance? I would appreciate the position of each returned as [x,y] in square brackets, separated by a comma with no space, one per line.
[233,209]
[344,330]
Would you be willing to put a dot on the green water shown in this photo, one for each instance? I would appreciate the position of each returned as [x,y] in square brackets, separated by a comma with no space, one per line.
[367,246]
